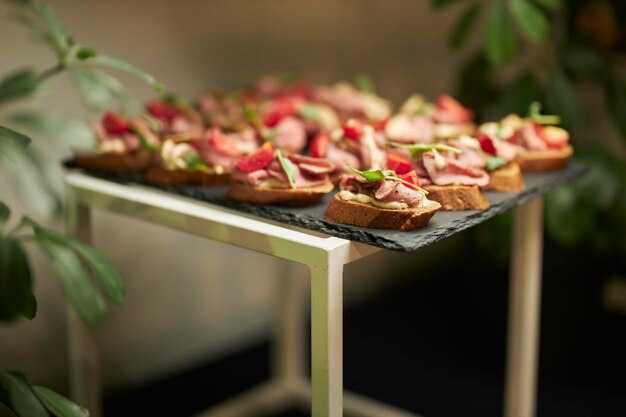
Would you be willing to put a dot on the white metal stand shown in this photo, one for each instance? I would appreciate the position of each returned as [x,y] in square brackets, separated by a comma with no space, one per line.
[325,258]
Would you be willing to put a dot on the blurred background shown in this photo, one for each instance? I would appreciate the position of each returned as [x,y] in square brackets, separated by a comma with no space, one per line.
[187,312]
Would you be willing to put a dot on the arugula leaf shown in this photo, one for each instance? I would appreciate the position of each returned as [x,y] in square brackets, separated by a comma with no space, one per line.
[534,113]
[193,162]
[288,167]
[144,144]
[364,83]
[374,175]
[425,147]
[251,114]
[494,162]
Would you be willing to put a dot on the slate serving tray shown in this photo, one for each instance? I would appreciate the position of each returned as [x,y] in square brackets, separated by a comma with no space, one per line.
[443,224]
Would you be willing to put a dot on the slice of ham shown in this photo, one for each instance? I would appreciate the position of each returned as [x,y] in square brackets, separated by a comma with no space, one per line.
[505,150]
[455,172]
[470,155]
[340,158]
[308,172]
[290,135]
[531,140]
[254,178]
[311,165]
[385,191]
[405,129]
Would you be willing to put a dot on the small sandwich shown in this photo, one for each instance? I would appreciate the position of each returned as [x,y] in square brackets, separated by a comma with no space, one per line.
[541,146]
[381,199]
[122,145]
[454,183]
[420,121]
[205,160]
[177,116]
[355,144]
[266,176]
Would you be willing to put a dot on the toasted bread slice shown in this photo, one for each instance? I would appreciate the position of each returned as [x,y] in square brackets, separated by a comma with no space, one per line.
[111,161]
[548,160]
[298,197]
[506,179]
[159,175]
[367,215]
[458,197]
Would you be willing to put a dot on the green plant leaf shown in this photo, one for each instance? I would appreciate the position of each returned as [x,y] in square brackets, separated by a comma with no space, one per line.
[364,83]
[441,4]
[5,213]
[416,148]
[68,131]
[615,99]
[118,64]
[500,40]
[562,99]
[23,400]
[55,34]
[16,297]
[463,26]
[18,84]
[99,90]
[84,297]
[288,167]
[550,4]
[109,277]
[17,138]
[58,404]
[85,53]
[532,20]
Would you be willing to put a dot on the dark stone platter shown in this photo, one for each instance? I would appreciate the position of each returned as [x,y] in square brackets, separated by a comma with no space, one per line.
[442,225]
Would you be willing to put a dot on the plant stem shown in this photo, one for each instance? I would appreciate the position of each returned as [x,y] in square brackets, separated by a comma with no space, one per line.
[51,72]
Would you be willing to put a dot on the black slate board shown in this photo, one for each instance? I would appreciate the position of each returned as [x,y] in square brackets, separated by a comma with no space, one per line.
[443,224]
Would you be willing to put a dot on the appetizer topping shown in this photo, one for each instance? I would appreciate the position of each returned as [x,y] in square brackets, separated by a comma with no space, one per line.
[555,137]
[288,167]
[321,114]
[114,123]
[319,145]
[486,144]
[163,111]
[418,148]
[398,162]
[350,102]
[440,161]
[452,171]
[382,189]
[410,129]
[417,105]
[451,111]
[179,155]
[256,160]
[223,143]
[289,134]
[353,129]
[374,175]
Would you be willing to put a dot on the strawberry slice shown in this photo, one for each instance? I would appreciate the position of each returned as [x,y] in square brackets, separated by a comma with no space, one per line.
[410,177]
[380,125]
[281,108]
[114,123]
[399,163]
[450,110]
[256,160]
[486,144]
[163,111]
[554,136]
[222,143]
[353,129]
[319,145]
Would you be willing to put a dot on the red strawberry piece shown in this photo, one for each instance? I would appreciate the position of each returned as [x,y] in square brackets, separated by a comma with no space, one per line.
[163,111]
[399,163]
[114,123]
[379,125]
[554,136]
[486,144]
[410,177]
[319,145]
[256,160]
[223,143]
[454,111]
[353,129]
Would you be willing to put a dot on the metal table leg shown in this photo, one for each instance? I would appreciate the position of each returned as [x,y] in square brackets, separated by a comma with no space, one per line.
[524,310]
[84,364]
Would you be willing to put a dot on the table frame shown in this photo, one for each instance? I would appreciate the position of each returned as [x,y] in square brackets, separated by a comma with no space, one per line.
[325,257]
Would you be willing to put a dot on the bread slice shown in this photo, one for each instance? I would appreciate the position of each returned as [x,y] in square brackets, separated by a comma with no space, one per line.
[112,161]
[506,179]
[159,175]
[367,215]
[542,161]
[458,197]
[298,197]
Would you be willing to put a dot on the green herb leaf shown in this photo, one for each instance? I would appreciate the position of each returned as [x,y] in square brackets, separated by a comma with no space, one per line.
[364,83]
[251,114]
[18,84]
[550,4]
[494,162]
[532,20]
[562,98]
[83,295]
[65,130]
[372,175]
[500,40]
[177,100]
[59,405]
[16,297]
[463,26]
[193,162]
[288,167]
[144,144]
[118,64]
[109,277]
[23,400]
[16,138]
[534,113]
[85,53]
[416,148]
